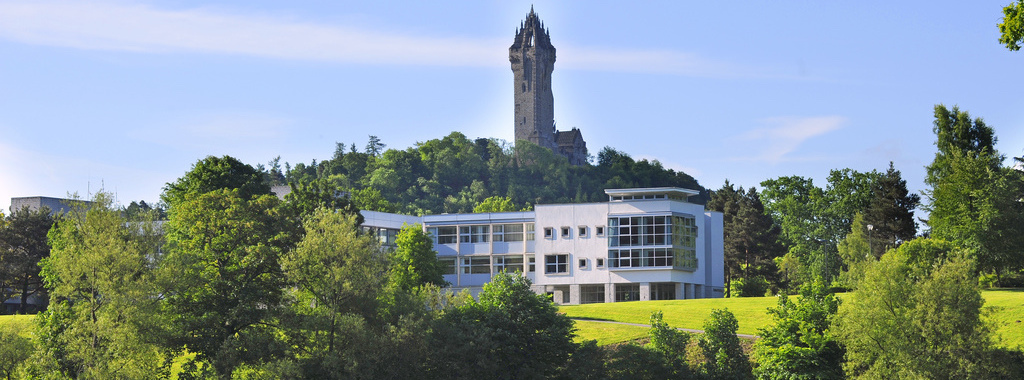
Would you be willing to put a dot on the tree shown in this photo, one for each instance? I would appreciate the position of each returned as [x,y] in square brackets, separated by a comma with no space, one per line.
[890,213]
[496,204]
[14,350]
[414,262]
[103,302]
[339,274]
[374,147]
[751,238]
[22,245]
[723,355]
[307,197]
[511,333]
[973,201]
[222,277]
[800,343]
[1011,30]
[214,173]
[855,252]
[916,315]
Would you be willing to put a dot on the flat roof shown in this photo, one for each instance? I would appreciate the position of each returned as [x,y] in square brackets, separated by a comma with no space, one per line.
[652,190]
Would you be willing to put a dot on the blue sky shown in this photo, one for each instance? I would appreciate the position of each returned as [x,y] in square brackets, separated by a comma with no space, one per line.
[127,95]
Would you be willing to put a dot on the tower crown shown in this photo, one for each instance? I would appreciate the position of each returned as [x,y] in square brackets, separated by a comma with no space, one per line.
[532,33]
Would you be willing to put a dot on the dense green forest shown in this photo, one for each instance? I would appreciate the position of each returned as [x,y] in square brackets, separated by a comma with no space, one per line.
[453,174]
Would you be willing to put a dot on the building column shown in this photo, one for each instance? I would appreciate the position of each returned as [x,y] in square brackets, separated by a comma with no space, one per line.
[574,294]
[679,290]
[609,292]
[645,291]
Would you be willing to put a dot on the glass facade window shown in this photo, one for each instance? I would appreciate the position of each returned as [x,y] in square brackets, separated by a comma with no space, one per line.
[627,292]
[663,241]
[508,263]
[663,291]
[476,265]
[508,232]
[529,232]
[474,234]
[448,265]
[591,294]
[556,264]
[443,235]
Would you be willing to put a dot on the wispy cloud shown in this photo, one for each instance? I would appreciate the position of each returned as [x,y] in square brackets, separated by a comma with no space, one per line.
[785,134]
[143,28]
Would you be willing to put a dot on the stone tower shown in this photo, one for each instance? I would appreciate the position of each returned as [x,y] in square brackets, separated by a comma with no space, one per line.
[533,60]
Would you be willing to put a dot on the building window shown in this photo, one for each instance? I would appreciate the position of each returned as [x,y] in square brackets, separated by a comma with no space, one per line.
[600,263]
[583,263]
[591,293]
[508,263]
[667,241]
[663,291]
[556,264]
[476,265]
[474,234]
[533,264]
[447,265]
[549,233]
[443,235]
[583,231]
[627,292]
[508,232]
[599,231]
[566,233]
[529,232]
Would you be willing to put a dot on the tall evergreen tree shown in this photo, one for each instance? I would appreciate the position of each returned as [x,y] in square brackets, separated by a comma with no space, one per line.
[22,245]
[751,236]
[890,212]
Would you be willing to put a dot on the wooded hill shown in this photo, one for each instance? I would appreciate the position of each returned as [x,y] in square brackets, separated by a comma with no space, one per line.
[453,174]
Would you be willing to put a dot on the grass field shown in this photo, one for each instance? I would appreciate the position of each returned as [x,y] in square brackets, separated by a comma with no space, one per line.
[20,323]
[1004,309]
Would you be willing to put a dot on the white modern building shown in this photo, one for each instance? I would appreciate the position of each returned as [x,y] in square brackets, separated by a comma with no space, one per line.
[643,244]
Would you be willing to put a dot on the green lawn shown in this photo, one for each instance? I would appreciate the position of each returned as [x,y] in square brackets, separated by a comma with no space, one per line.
[20,323]
[1005,308]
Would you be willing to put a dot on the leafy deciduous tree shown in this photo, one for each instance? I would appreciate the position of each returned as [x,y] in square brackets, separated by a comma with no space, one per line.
[800,343]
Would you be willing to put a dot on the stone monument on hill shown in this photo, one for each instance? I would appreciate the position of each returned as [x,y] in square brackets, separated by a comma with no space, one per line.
[533,60]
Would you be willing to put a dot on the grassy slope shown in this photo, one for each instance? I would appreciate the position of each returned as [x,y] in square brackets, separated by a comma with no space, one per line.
[20,323]
[1006,308]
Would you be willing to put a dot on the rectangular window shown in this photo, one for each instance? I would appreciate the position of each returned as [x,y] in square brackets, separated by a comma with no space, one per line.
[583,231]
[663,291]
[533,264]
[508,263]
[599,231]
[566,233]
[474,234]
[583,263]
[591,293]
[549,233]
[600,263]
[529,232]
[556,264]
[448,263]
[627,292]
[641,258]
[476,265]
[443,235]
[508,232]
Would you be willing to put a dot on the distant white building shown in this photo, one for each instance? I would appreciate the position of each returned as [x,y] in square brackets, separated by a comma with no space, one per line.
[643,244]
